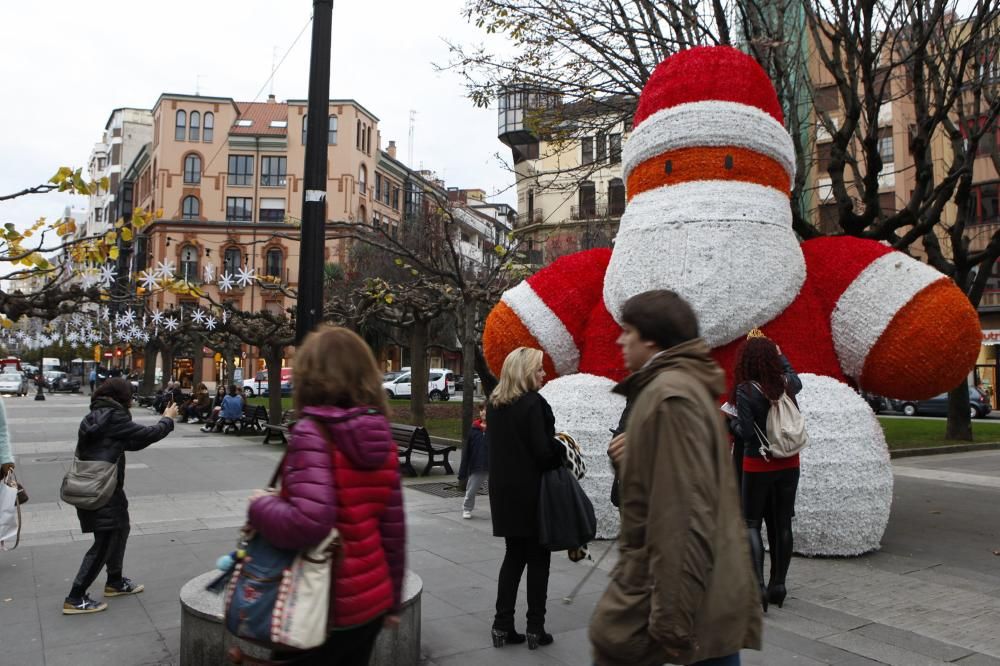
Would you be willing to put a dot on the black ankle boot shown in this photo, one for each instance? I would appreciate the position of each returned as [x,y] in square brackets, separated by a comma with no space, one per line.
[539,638]
[502,637]
[776,593]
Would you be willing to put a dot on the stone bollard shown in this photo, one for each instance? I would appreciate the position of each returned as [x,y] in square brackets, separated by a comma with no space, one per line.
[204,641]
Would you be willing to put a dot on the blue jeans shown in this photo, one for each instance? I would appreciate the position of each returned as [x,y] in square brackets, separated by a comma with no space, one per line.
[730,660]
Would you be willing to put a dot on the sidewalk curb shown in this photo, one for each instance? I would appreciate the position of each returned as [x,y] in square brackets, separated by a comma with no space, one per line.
[939,450]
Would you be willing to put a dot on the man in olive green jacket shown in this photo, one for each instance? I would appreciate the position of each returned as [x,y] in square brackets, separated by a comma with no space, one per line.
[683,591]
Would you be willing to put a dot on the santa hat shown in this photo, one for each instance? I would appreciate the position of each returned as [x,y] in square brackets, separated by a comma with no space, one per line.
[703,105]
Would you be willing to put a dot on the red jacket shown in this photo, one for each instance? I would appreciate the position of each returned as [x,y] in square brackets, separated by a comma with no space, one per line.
[353,486]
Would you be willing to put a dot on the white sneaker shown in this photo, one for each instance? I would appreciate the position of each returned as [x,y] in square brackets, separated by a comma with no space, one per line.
[466,514]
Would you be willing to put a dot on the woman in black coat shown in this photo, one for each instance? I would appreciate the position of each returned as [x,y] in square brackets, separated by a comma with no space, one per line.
[522,446]
[105,434]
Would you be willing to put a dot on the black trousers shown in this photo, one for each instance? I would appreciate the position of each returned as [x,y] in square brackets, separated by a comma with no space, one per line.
[521,552]
[770,496]
[344,647]
[108,550]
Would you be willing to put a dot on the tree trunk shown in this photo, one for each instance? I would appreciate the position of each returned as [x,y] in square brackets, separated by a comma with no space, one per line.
[149,354]
[168,366]
[483,368]
[468,366]
[229,353]
[272,357]
[959,418]
[198,362]
[419,372]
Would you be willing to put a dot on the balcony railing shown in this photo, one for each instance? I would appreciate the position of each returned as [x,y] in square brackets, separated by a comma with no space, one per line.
[596,211]
[536,216]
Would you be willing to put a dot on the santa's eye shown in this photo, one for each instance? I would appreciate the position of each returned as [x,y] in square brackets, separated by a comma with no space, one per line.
[729,161]
[668,167]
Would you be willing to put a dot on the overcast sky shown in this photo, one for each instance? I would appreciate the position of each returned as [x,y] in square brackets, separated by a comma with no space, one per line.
[66,64]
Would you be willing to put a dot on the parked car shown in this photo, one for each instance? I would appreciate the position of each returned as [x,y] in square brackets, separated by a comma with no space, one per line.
[876,402]
[14,382]
[60,382]
[460,382]
[440,385]
[258,385]
[979,405]
[391,375]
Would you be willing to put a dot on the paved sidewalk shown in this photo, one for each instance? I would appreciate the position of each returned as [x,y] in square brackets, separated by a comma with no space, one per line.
[932,596]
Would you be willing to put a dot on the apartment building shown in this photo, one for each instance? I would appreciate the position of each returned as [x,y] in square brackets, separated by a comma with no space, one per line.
[570,192]
[126,132]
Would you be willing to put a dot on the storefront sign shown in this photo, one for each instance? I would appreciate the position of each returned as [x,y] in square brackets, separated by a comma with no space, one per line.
[991,336]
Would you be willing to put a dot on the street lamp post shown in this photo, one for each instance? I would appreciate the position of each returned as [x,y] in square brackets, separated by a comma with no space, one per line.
[309,309]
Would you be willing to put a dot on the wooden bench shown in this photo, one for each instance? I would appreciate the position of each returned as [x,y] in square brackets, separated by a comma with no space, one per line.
[278,430]
[414,438]
[253,418]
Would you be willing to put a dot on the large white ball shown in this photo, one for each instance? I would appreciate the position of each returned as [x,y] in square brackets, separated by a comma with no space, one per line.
[845,487]
[585,407]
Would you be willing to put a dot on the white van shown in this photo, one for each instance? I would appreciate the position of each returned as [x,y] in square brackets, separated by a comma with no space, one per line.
[440,385]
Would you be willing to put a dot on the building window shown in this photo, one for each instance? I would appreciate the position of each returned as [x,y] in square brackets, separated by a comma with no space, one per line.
[273,263]
[378,186]
[180,126]
[192,170]
[191,208]
[363,179]
[358,138]
[985,203]
[362,214]
[231,260]
[272,171]
[194,133]
[602,149]
[615,148]
[189,263]
[395,198]
[305,128]
[824,155]
[531,206]
[616,197]
[98,215]
[241,169]
[587,150]
[368,141]
[272,210]
[209,127]
[588,200]
[385,192]
[239,209]
[885,149]
[331,131]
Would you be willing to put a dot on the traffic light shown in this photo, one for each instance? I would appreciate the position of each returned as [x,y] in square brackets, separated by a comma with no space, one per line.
[97,353]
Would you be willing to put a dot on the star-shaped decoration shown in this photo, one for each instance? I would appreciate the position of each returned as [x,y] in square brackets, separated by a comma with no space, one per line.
[135,332]
[166,269]
[148,280]
[244,276]
[129,316]
[125,335]
[225,282]
[107,275]
[210,322]
[209,272]
[171,323]
[198,316]
[88,279]
[105,312]
[157,317]
[72,337]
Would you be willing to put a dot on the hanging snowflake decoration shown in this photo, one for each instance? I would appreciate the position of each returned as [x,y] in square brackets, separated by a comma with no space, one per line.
[244,276]
[198,316]
[166,269]
[209,273]
[107,275]
[210,322]
[125,335]
[225,282]
[145,336]
[157,317]
[171,323]
[72,337]
[148,280]
[135,332]
[225,316]
[129,316]
[105,312]
[88,279]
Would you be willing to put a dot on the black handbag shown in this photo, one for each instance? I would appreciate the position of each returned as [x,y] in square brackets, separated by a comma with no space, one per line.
[566,518]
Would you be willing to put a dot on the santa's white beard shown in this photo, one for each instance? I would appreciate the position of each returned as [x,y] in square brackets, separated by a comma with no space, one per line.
[726,247]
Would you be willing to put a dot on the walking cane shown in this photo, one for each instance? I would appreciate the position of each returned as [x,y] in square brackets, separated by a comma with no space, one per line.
[568,599]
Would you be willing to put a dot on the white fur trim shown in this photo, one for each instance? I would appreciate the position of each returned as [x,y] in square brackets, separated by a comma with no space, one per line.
[585,407]
[726,247]
[868,305]
[547,328]
[845,487]
[711,123]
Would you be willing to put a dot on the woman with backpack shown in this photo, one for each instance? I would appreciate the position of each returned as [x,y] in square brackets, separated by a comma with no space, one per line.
[762,376]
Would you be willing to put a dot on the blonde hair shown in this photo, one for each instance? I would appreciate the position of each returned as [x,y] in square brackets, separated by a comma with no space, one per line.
[335,367]
[517,376]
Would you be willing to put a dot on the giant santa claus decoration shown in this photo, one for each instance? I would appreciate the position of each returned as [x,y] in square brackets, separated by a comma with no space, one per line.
[708,168]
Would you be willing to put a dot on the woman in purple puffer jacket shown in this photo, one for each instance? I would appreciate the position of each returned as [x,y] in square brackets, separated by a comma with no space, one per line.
[342,471]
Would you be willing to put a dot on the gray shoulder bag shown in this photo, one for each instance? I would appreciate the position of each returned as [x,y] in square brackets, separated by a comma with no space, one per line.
[89,484]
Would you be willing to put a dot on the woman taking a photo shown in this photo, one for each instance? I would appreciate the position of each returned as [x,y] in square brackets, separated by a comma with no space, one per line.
[341,471]
[106,433]
[522,446]
[763,375]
